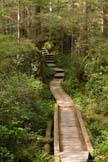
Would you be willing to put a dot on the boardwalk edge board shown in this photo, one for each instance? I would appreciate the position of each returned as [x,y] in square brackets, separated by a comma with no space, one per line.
[84,132]
[56,134]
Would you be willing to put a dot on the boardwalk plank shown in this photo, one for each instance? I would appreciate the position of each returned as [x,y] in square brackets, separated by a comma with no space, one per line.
[71,130]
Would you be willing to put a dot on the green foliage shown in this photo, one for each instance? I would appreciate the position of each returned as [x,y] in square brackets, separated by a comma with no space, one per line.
[97,85]
[21,94]
[25,103]
[43,157]
[27,51]
[15,56]
[91,96]
[24,109]
[102,147]
[8,46]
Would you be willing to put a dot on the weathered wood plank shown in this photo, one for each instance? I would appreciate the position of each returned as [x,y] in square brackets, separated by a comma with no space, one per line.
[56,134]
[81,156]
[51,64]
[70,136]
[59,75]
[84,132]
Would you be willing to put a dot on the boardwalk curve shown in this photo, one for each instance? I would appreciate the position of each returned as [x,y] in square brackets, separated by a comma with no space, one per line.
[71,141]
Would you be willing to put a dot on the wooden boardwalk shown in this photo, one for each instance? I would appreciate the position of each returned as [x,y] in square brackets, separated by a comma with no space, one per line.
[71,141]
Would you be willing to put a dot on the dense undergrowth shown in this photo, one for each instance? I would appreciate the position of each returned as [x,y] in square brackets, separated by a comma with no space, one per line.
[25,104]
[86,81]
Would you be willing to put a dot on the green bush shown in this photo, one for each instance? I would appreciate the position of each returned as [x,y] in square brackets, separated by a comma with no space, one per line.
[16,56]
[101,149]
[24,110]
[97,85]
[42,156]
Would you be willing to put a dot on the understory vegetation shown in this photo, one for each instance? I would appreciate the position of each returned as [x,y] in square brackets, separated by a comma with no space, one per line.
[25,104]
[86,81]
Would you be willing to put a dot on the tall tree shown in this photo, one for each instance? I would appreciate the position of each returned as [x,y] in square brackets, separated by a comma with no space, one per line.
[105,17]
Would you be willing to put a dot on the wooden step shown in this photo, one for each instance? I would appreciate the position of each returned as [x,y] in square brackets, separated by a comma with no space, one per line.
[59,75]
[50,61]
[50,58]
[80,156]
[50,55]
[51,65]
[59,70]
[45,51]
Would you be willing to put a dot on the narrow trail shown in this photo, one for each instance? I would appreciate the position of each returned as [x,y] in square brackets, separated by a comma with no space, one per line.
[71,141]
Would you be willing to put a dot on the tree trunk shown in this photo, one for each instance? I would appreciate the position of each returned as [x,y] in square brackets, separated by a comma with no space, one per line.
[62,40]
[105,18]
[18,21]
[85,29]
[38,27]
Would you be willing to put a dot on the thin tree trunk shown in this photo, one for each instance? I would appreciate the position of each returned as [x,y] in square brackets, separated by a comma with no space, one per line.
[18,21]
[38,27]
[62,40]
[72,44]
[85,29]
[105,18]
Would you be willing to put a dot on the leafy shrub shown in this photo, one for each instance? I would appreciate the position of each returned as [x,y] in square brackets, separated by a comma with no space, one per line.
[42,156]
[95,128]
[14,55]
[92,95]
[24,110]
[101,150]
[97,85]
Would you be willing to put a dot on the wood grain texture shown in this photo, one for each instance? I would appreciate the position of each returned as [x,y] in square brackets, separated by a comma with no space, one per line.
[71,141]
